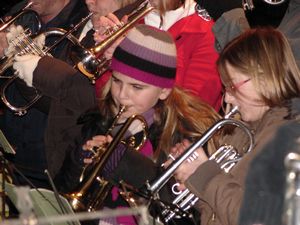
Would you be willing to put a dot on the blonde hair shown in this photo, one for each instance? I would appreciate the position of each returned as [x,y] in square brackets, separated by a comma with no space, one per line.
[264,55]
[180,116]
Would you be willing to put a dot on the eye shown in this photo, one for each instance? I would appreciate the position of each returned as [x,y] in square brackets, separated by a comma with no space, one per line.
[137,87]
[115,80]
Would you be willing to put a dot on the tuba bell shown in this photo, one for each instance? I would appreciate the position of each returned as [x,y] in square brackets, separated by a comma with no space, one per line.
[93,188]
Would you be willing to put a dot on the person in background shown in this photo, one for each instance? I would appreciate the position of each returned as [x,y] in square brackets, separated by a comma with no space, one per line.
[27,133]
[261,77]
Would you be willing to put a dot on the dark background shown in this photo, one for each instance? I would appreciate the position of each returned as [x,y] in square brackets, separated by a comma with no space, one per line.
[263,14]
[6,5]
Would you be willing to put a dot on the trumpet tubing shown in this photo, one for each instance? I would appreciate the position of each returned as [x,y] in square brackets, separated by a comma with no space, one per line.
[25,44]
[93,189]
[226,157]
[91,62]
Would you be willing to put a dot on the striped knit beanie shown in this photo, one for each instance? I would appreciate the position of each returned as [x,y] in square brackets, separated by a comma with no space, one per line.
[148,55]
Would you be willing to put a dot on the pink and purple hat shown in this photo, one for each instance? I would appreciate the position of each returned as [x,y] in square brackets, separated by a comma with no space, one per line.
[147,54]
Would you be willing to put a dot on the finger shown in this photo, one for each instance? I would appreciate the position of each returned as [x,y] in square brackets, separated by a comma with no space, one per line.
[87,161]
[181,187]
[114,19]
[124,19]
[40,40]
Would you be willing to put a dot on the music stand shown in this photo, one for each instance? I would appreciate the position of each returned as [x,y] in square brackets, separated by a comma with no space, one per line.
[44,203]
[5,147]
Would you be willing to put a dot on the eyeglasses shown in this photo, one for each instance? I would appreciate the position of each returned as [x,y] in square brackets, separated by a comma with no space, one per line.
[233,88]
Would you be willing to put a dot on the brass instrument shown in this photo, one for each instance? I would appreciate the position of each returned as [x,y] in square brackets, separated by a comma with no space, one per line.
[25,44]
[91,62]
[26,9]
[226,156]
[291,214]
[93,189]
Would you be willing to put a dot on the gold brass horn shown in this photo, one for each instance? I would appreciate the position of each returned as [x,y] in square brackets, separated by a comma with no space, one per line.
[93,189]
[25,45]
[91,62]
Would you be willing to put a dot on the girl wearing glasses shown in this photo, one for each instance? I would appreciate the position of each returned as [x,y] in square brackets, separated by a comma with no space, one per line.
[261,77]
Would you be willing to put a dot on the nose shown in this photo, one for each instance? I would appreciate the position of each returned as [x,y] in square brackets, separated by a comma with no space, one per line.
[229,98]
[123,92]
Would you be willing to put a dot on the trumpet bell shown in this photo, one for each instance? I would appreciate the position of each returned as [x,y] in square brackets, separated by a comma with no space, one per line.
[88,63]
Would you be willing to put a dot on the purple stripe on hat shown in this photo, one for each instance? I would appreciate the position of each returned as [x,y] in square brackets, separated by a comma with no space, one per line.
[148,54]
[140,75]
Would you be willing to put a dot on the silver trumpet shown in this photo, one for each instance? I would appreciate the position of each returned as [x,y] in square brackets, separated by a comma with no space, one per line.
[24,44]
[226,156]
[291,214]
[26,9]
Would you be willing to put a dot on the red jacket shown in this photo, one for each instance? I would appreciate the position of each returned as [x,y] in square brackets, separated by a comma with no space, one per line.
[196,69]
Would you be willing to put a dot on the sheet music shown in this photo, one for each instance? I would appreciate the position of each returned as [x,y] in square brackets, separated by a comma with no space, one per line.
[5,144]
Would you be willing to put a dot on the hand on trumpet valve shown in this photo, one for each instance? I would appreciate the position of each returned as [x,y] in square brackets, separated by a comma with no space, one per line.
[176,151]
[3,43]
[11,39]
[186,169]
[104,27]
[95,147]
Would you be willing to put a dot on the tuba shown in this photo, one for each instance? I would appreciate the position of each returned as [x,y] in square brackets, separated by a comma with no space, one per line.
[226,156]
[91,62]
[24,44]
[291,214]
[93,189]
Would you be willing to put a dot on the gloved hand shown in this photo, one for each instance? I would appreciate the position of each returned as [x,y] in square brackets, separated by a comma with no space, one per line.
[24,66]
[18,31]
[13,32]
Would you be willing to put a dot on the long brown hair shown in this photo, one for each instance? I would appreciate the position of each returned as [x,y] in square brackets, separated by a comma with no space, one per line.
[264,55]
[180,116]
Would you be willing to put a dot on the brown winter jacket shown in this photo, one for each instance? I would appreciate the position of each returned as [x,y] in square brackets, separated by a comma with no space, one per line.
[221,193]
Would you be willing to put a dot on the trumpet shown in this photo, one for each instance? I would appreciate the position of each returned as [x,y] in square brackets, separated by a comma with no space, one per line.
[25,45]
[93,188]
[25,10]
[91,62]
[226,156]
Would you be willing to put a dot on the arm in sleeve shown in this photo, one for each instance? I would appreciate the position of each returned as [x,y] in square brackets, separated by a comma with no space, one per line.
[221,191]
[56,79]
